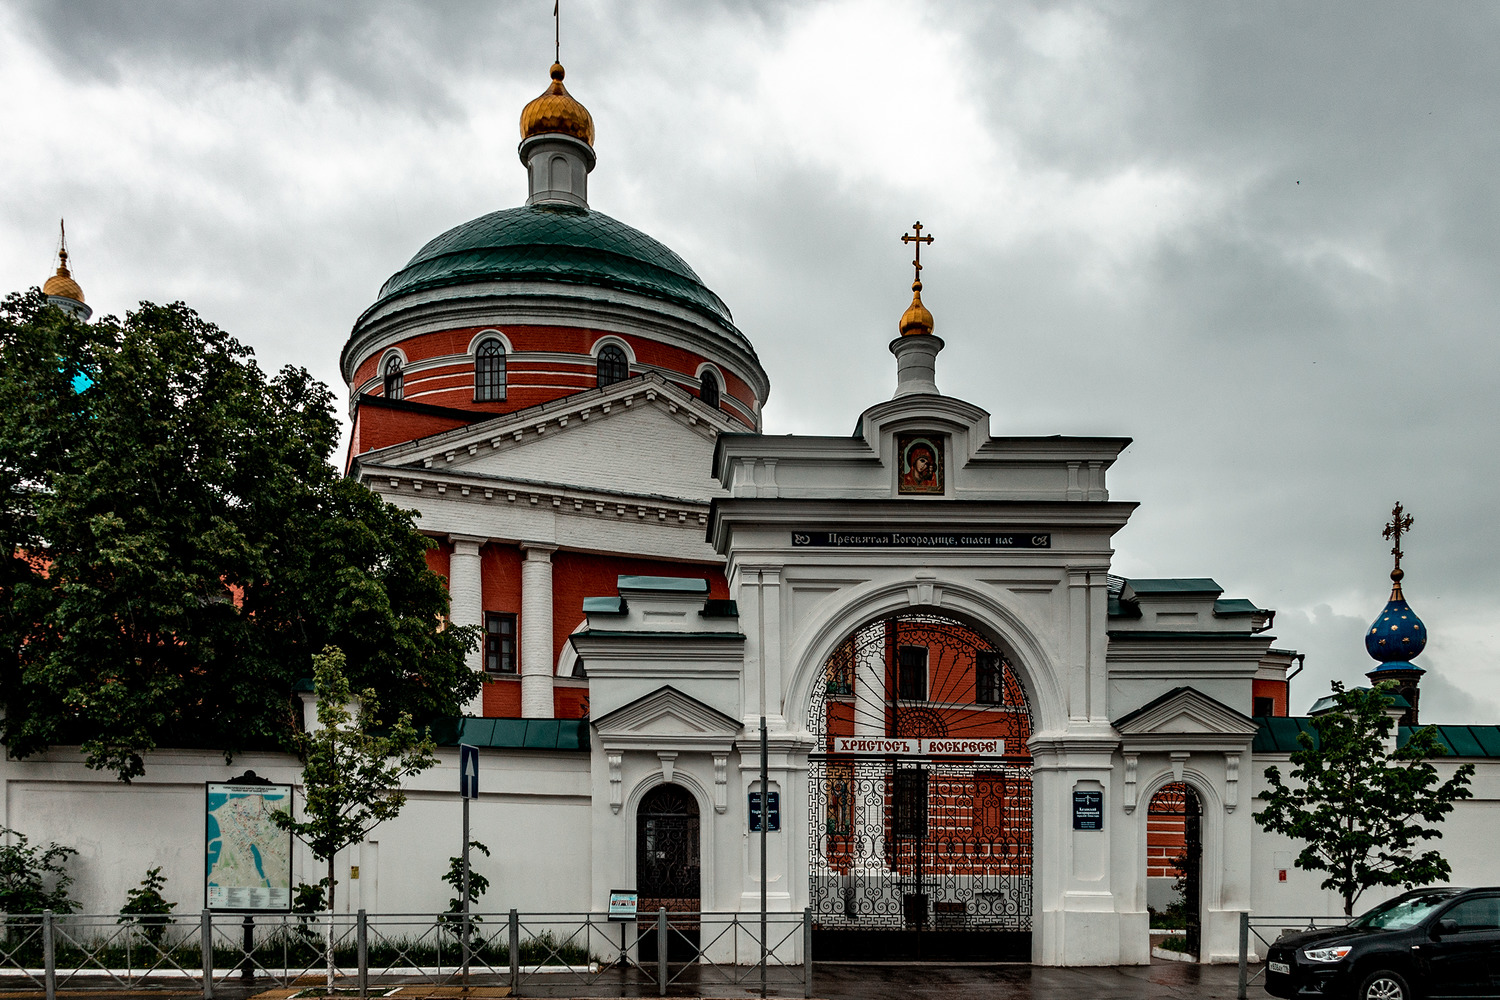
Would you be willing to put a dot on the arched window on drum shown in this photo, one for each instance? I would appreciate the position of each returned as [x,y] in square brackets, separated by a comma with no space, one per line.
[612,366]
[394,380]
[708,390]
[489,371]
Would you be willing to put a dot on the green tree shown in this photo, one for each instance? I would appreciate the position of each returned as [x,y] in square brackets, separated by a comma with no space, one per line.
[147,908]
[33,878]
[182,546]
[353,766]
[478,886]
[1360,810]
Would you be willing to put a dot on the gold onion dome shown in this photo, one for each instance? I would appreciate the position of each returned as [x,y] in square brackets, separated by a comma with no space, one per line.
[62,284]
[555,111]
[916,319]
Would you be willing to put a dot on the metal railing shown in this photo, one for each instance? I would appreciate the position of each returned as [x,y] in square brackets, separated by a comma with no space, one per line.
[1275,926]
[532,953]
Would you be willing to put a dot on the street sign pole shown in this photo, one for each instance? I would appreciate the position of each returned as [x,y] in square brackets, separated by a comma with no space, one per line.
[468,787]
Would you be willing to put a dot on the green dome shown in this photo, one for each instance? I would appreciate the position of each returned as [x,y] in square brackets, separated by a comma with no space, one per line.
[554,243]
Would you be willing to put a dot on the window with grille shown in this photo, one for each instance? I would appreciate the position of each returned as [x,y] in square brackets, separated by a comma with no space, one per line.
[989,679]
[393,378]
[911,673]
[489,372]
[499,643]
[612,365]
[709,389]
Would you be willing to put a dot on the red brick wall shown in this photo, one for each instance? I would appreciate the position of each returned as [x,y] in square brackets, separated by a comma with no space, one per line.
[1166,838]
[1275,690]
[528,383]
[502,698]
[380,428]
[576,575]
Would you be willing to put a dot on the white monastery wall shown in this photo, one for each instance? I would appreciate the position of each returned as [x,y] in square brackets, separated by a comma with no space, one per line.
[533,814]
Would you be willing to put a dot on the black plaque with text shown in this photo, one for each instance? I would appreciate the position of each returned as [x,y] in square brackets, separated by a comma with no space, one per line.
[959,539]
[1088,810]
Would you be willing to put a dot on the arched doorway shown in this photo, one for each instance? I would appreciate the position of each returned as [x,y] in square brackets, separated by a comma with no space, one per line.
[1174,861]
[667,868]
[920,788]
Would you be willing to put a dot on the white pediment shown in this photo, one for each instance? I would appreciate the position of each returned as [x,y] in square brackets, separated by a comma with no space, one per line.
[644,437]
[1185,712]
[666,717]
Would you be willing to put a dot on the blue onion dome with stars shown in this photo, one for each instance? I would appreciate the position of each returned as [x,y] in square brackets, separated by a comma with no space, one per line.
[1398,636]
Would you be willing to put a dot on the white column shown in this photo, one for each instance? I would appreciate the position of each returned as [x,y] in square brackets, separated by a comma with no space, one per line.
[536,631]
[466,600]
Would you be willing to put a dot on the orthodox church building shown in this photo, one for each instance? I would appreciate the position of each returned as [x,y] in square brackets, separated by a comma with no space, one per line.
[901,651]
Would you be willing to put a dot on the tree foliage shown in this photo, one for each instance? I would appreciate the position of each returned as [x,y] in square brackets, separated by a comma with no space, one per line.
[1361,811]
[182,546]
[33,878]
[145,907]
[353,766]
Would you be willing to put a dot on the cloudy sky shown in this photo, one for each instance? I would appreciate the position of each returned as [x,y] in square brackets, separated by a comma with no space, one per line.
[1261,239]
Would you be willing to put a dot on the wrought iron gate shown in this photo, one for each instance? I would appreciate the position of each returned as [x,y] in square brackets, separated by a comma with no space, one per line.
[667,870]
[921,856]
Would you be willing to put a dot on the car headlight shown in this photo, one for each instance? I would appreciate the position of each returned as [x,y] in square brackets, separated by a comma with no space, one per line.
[1327,954]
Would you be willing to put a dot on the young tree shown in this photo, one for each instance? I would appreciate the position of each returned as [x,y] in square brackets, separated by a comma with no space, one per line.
[178,545]
[353,765]
[32,878]
[1360,810]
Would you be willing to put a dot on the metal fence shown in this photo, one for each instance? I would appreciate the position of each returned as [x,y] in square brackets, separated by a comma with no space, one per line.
[534,954]
[1266,930]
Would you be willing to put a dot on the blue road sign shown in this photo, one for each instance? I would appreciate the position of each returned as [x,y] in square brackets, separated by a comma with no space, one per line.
[468,771]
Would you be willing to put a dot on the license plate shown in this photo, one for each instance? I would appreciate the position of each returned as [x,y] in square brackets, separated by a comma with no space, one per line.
[1280,967]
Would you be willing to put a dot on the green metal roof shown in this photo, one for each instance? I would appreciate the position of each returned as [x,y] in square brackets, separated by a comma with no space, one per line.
[1279,735]
[556,243]
[672,584]
[1175,585]
[1235,606]
[513,734]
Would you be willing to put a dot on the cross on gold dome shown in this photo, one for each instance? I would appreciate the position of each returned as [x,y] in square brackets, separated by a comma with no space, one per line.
[1395,528]
[916,319]
[918,239]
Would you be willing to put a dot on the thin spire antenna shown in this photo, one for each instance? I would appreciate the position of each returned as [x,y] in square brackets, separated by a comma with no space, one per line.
[557,32]
[62,243]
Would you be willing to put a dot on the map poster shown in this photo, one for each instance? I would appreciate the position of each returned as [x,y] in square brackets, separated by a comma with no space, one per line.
[248,861]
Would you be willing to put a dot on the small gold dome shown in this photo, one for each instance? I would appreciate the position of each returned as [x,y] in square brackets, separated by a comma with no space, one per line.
[916,319]
[556,111]
[62,284]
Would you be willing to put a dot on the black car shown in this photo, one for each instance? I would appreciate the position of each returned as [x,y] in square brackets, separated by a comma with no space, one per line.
[1429,943]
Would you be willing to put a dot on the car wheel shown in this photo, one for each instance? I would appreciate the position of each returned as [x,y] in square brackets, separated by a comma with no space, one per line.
[1384,984]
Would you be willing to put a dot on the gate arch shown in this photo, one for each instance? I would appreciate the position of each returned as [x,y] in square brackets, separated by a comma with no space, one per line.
[920,824]
[1040,677]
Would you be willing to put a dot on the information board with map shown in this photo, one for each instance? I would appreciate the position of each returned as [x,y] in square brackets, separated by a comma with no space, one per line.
[249,860]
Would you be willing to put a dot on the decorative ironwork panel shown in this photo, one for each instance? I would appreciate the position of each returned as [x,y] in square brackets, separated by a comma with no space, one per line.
[903,843]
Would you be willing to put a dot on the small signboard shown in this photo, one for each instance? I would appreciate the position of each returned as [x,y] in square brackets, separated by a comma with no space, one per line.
[468,771]
[247,858]
[1088,810]
[773,812]
[622,904]
[913,746]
